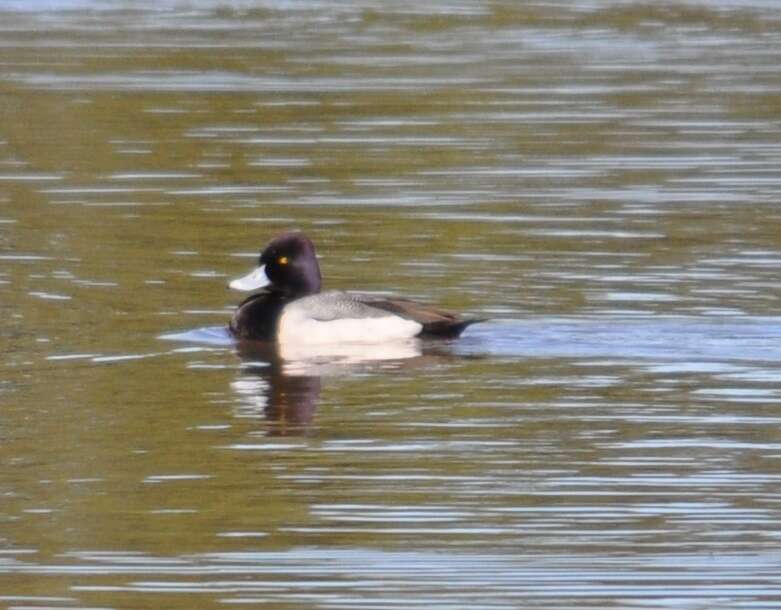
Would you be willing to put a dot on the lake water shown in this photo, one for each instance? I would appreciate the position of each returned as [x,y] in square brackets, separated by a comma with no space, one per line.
[599,178]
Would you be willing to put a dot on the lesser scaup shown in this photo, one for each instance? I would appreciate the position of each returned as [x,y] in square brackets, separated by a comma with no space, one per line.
[291,309]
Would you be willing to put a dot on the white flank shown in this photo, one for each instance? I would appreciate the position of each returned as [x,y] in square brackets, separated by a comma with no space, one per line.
[297,328]
[332,358]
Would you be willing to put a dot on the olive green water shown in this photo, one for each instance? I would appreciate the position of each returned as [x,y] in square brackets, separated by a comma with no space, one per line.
[601,179]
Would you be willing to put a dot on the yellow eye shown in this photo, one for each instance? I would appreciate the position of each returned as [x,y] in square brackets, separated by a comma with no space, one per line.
[282,260]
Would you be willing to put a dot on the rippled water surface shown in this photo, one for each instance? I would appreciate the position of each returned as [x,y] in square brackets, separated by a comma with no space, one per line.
[599,178]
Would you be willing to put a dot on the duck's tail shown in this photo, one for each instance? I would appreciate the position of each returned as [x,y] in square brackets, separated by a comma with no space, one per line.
[448,329]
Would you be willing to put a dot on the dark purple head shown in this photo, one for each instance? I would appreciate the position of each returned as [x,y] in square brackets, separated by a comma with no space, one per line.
[288,264]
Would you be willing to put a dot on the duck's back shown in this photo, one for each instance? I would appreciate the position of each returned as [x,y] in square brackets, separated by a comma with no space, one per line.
[435,322]
[367,318]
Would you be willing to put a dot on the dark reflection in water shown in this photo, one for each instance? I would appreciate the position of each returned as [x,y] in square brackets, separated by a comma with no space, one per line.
[287,399]
[283,384]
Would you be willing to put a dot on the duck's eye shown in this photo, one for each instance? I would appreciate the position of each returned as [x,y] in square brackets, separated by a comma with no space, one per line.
[282,260]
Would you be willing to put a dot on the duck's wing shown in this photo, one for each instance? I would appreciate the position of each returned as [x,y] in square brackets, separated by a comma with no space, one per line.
[436,322]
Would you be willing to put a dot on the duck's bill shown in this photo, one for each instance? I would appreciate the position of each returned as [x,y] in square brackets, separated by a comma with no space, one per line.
[252,281]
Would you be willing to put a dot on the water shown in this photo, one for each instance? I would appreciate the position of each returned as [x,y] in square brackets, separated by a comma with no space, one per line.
[600,179]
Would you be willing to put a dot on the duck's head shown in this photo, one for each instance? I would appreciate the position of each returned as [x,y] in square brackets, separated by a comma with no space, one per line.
[288,264]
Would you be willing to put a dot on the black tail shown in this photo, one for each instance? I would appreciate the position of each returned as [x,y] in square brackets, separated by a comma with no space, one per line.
[447,329]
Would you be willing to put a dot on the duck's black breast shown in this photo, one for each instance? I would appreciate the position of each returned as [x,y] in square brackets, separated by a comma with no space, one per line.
[257,317]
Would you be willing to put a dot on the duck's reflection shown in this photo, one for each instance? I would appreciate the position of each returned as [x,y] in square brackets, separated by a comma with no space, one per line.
[288,400]
[283,384]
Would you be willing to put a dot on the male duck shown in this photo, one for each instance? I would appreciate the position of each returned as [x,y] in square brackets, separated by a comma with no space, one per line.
[291,309]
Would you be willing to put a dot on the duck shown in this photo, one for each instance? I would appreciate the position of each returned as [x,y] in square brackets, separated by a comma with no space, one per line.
[288,306]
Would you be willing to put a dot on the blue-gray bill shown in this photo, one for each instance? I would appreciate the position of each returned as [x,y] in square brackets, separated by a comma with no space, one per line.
[254,280]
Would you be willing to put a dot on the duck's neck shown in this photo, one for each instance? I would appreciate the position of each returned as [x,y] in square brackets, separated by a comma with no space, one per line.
[306,283]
